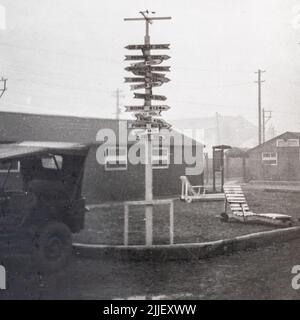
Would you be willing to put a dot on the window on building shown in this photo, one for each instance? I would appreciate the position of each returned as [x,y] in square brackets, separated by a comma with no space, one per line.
[160,158]
[269,158]
[15,166]
[116,158]
[287,143]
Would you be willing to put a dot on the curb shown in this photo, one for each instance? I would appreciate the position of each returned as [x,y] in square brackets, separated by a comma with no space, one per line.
[190,250]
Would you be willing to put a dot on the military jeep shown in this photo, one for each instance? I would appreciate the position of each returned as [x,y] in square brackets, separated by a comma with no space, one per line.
[40,200]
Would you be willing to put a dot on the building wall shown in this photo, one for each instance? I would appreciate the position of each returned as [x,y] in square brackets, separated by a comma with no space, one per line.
[100,185]
[288,162]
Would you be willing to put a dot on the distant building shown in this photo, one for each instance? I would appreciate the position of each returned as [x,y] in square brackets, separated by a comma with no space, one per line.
[235,131]
[117,179]
[276,159]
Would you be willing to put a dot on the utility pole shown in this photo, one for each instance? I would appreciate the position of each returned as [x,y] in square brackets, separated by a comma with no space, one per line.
[148,77]
[218,128]
[259,82]
[118,94]
[266,115]
[2,90]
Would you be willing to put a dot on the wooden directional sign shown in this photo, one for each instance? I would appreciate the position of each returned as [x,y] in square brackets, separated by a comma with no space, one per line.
[147,47]
[147,63]
[140,86]
[135,108]
[146,125]
[155,77]
[160,68]
[159,108]
[127,79]
[146,108]
[147,68]
[144,73]
[151,113]
[159,121]
[149,96]
[141,57]
[143,117]
[141,125]
[146,85]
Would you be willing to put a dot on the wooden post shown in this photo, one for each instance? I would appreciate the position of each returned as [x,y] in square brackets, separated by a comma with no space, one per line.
[244,168]
[126,224]
[171,222]
[214,170]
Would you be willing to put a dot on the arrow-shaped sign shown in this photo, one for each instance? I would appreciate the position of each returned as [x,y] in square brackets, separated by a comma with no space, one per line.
[147,85]
[143,117]
[146,108]
[147,63]
[155,77]
[128,79]
[159,121]
[147,96]
[147,68]
[146,125]
[151,78]
[141,57]
[144,73]
[147,47]
[151,113]
[142,124]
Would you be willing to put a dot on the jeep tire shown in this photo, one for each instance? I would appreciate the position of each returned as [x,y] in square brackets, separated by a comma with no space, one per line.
[52,247]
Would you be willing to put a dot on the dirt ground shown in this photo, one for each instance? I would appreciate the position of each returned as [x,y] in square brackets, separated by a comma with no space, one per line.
[264,273]
[195,222]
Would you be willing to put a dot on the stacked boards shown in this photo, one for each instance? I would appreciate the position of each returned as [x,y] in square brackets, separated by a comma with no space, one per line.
[240,211]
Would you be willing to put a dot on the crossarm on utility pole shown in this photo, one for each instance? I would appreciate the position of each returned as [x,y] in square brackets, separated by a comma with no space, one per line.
[148,18]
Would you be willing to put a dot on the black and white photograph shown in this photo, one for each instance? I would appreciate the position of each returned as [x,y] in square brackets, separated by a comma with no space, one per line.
[149,151]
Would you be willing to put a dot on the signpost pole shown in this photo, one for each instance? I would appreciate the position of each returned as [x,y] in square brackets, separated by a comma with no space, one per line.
[151,79]
[148,153]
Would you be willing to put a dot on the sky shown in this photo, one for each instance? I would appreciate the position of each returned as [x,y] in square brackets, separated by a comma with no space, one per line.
[67,57]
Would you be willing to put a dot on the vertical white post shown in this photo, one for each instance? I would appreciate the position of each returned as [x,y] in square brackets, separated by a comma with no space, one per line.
[148,193]
[148,162]
[126,219]
[171,222]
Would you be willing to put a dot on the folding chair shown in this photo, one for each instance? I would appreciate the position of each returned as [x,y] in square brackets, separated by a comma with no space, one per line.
[239,209]
[189,192]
